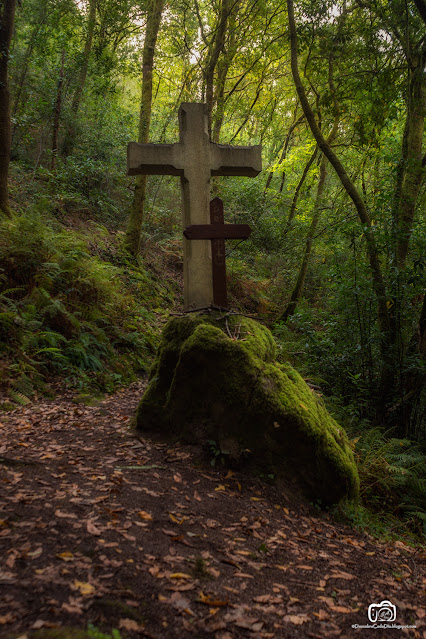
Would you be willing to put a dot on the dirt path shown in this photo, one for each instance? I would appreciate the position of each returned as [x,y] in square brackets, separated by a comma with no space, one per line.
[100,526]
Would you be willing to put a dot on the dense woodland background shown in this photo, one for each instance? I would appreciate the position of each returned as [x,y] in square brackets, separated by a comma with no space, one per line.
[90,260]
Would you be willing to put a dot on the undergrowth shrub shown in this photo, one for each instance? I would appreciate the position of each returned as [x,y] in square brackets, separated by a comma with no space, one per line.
[66,312]
[392,471]
[393,479]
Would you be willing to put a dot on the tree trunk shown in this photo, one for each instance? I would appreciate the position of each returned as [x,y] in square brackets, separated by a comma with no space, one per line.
[289,135]
[300,283]
[308,165]
[411,169]
[372,251]
[70,134]
[57,113]
[222,71]
[7,16]
[132,238]
[216,47]
[40,20]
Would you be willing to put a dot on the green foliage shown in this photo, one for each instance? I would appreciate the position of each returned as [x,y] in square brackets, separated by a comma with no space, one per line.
[95,633]
[68,632]
[393,478]
[67,312]
[217,454]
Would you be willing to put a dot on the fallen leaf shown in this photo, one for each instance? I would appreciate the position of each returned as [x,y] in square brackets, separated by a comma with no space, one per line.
[92,529]
[41,623]
[7,618]
[84,587]
[207,599]
[322,615]
[179,602]
[129,624]
[65,556]
[176,520]
[341,575]
[297,619]
[343,609]
[144,515]
[73,609]
[268,599]
[62,515]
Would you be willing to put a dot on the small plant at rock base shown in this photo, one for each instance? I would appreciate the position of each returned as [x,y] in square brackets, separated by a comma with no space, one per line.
[216,453]
[95,633]
[199,569]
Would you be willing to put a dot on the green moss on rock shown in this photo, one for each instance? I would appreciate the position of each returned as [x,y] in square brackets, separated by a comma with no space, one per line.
[215,378]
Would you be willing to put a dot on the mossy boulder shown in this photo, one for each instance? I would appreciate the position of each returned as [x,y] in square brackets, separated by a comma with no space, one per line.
[215,378]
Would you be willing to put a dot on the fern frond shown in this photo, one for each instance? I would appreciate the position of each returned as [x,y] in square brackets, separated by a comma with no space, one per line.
[19,398]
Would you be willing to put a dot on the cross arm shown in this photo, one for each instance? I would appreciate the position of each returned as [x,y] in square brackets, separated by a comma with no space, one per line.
[235,160]
[154,159]
[217,231]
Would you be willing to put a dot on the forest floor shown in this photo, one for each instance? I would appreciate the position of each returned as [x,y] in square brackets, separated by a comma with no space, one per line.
[100,525]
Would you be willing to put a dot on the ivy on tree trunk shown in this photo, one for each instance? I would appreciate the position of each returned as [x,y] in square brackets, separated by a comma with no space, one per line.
[7,17]
[132,240]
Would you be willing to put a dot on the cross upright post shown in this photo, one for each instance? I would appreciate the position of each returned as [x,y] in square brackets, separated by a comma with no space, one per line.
[217,232]
[195,159]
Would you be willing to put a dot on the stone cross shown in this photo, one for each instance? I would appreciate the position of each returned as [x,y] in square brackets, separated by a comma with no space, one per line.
[195,159]
[217,232]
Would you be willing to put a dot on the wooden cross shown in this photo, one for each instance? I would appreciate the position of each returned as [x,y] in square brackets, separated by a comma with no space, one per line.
[217,232]
[195,159]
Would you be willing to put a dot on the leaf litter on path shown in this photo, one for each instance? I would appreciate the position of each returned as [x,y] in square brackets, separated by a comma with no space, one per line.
[100,525]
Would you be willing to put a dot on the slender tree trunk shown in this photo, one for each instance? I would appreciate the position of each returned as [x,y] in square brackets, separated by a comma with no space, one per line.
[300,283]
[411,169]
[57,112]
[7,16]
[70,134]
[301,182]
[40,20]
[223,66]
[372,251]
[288,138]
[132,238]
[215,49]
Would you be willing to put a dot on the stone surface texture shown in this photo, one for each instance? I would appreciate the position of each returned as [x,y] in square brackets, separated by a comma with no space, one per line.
[215,378]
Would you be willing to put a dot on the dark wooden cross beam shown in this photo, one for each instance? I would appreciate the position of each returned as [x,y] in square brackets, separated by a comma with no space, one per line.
[217,231]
